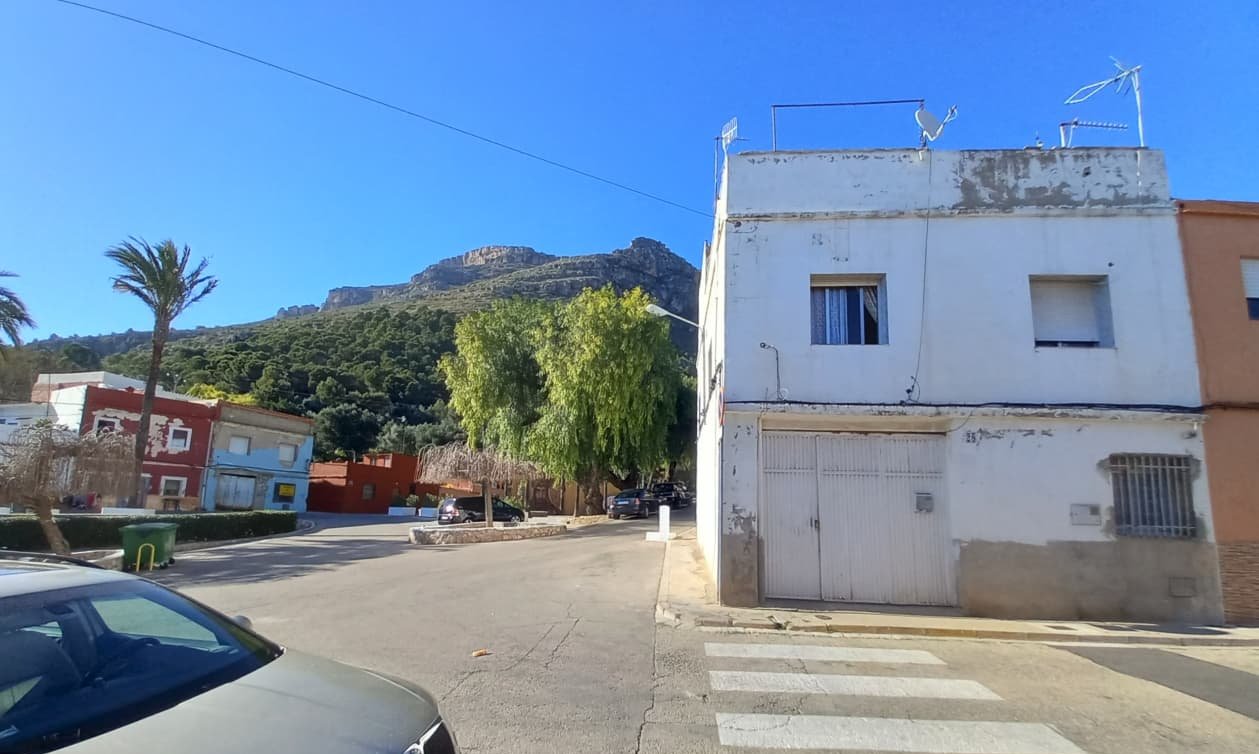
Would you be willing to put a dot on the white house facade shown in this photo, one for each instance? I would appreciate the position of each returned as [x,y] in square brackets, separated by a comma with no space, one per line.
[953,378]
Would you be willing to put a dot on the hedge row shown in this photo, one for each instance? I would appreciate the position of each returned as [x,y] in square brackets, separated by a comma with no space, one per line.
[86,531]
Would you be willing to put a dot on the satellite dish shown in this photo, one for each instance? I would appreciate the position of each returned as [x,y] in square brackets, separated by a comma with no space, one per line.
[932,126]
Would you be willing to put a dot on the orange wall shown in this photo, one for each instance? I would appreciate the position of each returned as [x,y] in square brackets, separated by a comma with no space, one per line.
[1231,436]
[1228,340]
[1215,237]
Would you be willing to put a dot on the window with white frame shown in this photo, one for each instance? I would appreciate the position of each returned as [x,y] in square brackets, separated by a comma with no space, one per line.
[179,438]
[288,452]
[174,486]
[106,424]
[1071,311]
[1153,495]
[848,310]
[1250,280]
[238,445]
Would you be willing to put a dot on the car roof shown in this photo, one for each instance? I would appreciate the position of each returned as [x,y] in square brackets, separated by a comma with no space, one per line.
[20,575]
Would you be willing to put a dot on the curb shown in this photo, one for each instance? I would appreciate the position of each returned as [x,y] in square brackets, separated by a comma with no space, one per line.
[665,615]
[674,617]
[303,527]
[668,615]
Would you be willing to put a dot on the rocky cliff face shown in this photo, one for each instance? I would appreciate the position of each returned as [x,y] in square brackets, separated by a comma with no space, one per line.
[288,312]
[472,279]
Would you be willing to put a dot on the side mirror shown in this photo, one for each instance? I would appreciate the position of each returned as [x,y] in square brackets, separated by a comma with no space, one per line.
[243,621]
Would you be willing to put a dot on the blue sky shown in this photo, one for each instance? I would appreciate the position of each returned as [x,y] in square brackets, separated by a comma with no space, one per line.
[110,129]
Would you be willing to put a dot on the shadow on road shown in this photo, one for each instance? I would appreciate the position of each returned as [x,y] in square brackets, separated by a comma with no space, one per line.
[274,560]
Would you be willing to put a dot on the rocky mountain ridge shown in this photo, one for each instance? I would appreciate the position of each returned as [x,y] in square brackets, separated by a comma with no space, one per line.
[471,281]
[468,280]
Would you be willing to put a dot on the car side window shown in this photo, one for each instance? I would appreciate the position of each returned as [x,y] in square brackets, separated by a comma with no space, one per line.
[136,616]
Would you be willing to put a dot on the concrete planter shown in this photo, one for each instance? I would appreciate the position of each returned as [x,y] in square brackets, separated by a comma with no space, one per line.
[474,533]
[406,510]
[110,559]
[128,512]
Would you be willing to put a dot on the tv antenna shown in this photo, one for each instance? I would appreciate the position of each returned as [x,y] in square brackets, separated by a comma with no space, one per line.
[930,125]
[1066,129]
[1123,80]
[729,135]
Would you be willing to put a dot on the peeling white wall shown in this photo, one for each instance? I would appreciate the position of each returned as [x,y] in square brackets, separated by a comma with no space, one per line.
[956,236]
[978,342]
[1014,480]
[895,181]
[709,390]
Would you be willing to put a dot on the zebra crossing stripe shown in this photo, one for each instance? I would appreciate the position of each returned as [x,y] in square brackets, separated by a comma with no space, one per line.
[889,735]
[815,652]
[849,685]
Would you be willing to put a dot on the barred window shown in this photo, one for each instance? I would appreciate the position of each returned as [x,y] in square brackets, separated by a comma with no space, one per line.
[1153,495]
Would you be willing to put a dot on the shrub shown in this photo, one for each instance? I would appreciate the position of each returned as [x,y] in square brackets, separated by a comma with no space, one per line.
[97,531]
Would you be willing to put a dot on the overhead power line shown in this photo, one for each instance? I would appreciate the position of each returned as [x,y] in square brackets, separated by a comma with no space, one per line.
[388,105]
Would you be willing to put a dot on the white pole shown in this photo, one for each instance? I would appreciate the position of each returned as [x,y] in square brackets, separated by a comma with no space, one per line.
[662,533]
[1136,89]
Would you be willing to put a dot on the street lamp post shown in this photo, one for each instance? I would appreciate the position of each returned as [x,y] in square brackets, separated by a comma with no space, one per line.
[662,533]
[660,311]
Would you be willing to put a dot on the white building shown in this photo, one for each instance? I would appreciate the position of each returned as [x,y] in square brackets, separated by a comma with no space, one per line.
[953,378]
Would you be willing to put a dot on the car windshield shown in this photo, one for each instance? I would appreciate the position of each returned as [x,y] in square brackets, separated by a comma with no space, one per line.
[75,663]
[628,494]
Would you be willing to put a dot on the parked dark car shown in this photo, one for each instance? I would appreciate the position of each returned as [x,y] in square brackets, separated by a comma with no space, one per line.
[99,662]
[637,502]
[672,494]
[461,510]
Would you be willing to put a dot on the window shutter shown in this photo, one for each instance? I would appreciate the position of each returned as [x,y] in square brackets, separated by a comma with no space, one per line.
[1250,277]
[1064,311]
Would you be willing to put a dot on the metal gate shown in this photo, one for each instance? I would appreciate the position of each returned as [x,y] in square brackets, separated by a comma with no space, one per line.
[235,492]
[856,517]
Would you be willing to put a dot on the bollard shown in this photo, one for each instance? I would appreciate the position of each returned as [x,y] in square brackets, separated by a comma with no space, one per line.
[662,533]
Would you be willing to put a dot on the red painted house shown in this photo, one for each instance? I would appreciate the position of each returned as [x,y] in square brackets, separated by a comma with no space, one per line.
[367,486]
[179,439]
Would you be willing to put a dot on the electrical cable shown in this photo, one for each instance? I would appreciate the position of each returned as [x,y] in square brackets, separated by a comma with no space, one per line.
[388,105]
[912,392]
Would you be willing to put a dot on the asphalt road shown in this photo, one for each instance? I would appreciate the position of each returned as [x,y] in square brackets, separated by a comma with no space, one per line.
[568,621]
[577,663]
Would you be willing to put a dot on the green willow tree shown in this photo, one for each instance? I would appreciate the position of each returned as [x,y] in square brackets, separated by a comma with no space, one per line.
[164,280]
[13,315]
[587,390]
[612,378]
[495,382]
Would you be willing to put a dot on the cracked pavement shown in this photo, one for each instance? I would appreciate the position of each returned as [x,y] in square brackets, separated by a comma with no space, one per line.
[569,622]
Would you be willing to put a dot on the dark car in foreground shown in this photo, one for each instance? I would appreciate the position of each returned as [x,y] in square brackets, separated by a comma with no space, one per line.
[95,661]
[636,502]
[673,494]
[462,510]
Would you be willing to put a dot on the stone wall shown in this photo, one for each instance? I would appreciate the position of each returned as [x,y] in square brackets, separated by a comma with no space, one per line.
[457,535]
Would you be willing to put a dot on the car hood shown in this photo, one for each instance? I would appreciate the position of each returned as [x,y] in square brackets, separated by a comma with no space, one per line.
[296,703]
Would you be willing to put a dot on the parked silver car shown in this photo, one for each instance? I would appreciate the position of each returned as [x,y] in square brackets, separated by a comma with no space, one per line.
[95,661]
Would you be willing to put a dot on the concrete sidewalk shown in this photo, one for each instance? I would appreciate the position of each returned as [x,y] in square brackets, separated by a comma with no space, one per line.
[686,598]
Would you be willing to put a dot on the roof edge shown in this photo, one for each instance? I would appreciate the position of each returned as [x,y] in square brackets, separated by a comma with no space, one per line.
[1217,207]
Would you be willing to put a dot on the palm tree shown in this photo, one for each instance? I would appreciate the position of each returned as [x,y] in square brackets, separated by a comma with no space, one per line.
[160,277]
[13,314]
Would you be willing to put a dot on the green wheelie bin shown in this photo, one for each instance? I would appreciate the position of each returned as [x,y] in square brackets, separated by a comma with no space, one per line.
[145,546]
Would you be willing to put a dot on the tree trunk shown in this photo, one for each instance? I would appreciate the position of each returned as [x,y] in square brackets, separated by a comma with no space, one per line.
[489,505]
[56,540]
[161,330]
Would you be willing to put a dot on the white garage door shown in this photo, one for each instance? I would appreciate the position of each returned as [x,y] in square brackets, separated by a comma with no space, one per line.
[235,492]
[856,518]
